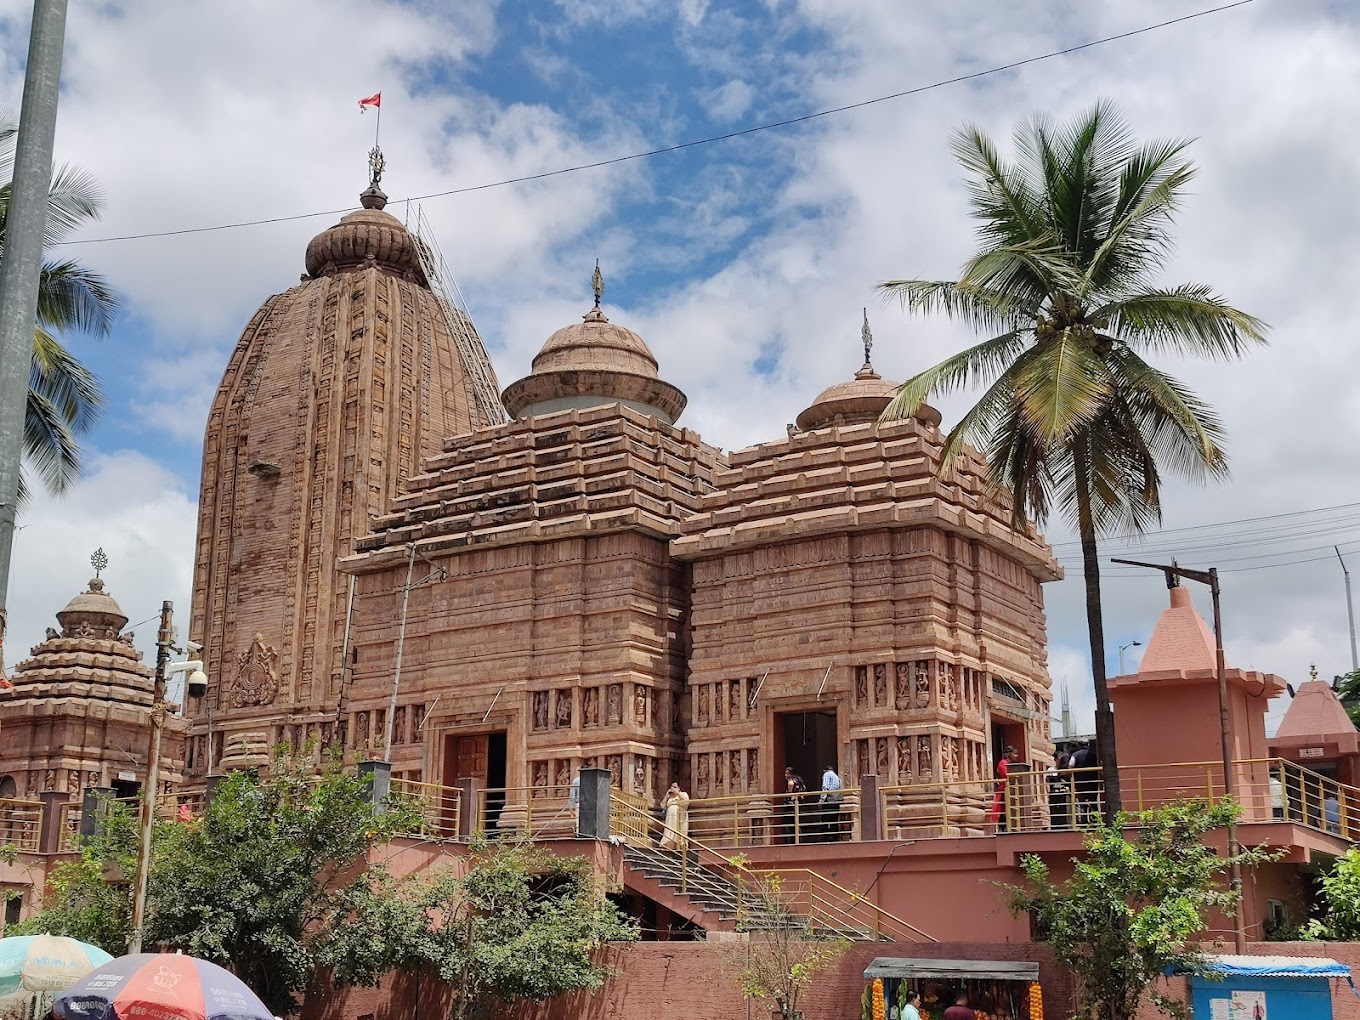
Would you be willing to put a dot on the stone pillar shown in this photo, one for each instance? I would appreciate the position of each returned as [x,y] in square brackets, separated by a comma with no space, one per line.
[378,775]
[468,788]
[49,835]
[870,810]
[92,807]
[593,820]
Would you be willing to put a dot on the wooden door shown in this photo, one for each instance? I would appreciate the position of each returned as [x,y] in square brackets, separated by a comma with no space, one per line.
[468,756]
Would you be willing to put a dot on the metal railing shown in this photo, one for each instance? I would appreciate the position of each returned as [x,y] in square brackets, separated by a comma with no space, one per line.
[440,807]
[20,823]
[629,819]
[770,819]
[532,812]
[828,907]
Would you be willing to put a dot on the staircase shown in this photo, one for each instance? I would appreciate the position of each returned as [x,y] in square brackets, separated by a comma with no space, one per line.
[714,901]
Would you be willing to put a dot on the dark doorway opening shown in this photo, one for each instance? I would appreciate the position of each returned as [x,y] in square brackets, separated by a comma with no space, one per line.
[807,744]
[126,789]
[479,756]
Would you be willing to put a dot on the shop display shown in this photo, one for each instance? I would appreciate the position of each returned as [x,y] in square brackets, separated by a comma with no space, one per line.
[1000,991]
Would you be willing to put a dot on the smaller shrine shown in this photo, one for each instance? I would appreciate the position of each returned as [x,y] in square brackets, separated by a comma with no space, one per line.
[79,712]
[1317,733]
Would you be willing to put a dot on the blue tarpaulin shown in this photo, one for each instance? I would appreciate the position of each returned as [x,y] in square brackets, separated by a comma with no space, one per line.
[1277,966]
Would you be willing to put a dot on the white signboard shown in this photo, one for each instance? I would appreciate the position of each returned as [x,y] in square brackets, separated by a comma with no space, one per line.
[1311,752]
[127,777]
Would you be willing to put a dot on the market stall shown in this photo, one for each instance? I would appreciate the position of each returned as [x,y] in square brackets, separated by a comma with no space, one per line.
[996,990]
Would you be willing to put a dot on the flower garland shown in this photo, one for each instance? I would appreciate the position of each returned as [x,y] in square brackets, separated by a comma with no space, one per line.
[880,1007]
[1036,1002]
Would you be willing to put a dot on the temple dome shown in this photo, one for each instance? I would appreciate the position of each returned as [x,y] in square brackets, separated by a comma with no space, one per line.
[859,401]
[367,237]
[591,363]
[92,613]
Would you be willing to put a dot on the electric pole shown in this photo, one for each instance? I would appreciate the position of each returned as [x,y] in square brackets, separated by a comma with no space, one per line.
[165,638]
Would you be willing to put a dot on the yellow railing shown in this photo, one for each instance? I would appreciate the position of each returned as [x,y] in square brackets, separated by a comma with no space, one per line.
[20,823]
[534,812]
[828,907]
[629,819]
[71,814]
[440,807]
[769,819]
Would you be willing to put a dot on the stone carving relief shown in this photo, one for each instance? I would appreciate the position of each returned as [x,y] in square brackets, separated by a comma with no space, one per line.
[949,750]
[881,757]
[564,709]
[752,769]
[361,729]
[925,758]
[398,726]
[865,763]
[540,774]
[639,774]
[257,675]
[904,762]
[616,770]
[563,774]
[640,705]
[540,713]
[701,776]
[922,684]
[701,708]
[861,685]
[902,685]
[52,634]
[734,772]
[734,700]
[880,684]
[614,710]
[949,692]
[590,706]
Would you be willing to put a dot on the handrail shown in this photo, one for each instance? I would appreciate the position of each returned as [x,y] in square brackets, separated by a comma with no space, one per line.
[829,905]
[441,807]
[20,823]
[533,812]
[778,818]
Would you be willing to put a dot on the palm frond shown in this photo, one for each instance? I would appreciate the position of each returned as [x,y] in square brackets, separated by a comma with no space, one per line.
[1029,273]
[976,365]
[980,307]
[1186,320]
[1002,196]
[50,446]
[74,198]
[72,297]
[1062,387]
[70,387]
[1137,241]
[1180,429]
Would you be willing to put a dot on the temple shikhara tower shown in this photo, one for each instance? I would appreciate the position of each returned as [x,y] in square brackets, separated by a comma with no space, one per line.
[504,588]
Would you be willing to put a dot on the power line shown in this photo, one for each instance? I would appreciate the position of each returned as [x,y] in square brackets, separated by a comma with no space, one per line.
[1224,524]
[694,143]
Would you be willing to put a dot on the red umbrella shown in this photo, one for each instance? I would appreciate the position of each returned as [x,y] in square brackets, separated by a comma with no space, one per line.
[159,986]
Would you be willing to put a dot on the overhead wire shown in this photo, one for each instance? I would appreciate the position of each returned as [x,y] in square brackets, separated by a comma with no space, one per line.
[692,143]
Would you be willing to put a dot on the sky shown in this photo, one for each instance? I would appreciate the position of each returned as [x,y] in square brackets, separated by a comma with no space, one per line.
[745,263]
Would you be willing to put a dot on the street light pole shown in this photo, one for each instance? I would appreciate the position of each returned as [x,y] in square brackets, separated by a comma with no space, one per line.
[1350,609]
[21,267]
[1210,577]
[164,639]
[1122,649]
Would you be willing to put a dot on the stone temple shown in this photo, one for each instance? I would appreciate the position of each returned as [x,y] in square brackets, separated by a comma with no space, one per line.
[502,588]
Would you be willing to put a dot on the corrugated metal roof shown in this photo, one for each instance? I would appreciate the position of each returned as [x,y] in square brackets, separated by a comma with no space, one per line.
[1279,966]
[898,967]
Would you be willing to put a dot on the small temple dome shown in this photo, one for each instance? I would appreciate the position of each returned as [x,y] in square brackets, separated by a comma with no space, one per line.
[93,613]
[367,237]
[859,401]
[590,363]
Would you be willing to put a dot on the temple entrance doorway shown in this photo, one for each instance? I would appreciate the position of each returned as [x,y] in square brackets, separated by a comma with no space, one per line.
[479,756]
[807,744]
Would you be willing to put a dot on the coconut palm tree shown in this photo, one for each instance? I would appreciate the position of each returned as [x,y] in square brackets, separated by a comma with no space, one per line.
[64,398]
[1073,231]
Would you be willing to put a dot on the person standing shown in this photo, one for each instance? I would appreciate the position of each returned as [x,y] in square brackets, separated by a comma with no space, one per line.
[1059,791]
[912,1009]
[960,1010]
[794,806]
[1086,780]
[998,815]
[831,804]
[676,824]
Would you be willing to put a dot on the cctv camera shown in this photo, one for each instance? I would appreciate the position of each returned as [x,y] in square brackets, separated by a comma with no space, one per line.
[197,685]
[195,649]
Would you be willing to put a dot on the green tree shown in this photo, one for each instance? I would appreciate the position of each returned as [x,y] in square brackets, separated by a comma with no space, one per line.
[519,924]
[1339,898]
[1073,418]
[257,884]
[784,950]
[1348,691]
[1133,907]
[64,398]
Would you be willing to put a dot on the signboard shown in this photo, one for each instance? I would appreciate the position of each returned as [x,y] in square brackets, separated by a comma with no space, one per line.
[1312,752]
[127,777]
[1242,1005]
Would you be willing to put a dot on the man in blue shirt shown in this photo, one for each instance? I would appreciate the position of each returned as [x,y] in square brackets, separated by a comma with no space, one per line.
[831,805]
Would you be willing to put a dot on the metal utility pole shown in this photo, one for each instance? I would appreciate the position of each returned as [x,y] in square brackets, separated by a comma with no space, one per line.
[25,225]
[1350,608]
[165,637]
[1210,577]
[401,647]
[1122,650]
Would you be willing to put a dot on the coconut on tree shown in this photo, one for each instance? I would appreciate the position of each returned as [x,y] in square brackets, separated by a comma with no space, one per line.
[1073,418]
[64,398]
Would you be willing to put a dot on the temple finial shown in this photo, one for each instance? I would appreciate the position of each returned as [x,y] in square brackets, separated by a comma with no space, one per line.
[868,338]
[99,561]
[597,284]
[1312,671]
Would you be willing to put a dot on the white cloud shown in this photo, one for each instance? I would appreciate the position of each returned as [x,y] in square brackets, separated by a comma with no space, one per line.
[133,509]
[729,101]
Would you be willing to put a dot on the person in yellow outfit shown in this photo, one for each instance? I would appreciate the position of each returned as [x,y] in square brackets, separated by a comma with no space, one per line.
[676,804]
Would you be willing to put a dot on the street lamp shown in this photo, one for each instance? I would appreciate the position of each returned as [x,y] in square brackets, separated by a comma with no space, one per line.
[196,687]
[1122,649]
[1210,577]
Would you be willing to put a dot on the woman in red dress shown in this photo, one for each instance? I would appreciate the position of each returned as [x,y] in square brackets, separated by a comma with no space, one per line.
[998,814]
